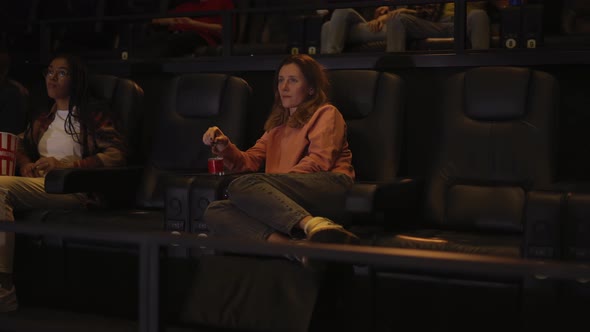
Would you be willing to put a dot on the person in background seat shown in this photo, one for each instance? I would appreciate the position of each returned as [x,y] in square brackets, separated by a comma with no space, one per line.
[349,26]
[182,35]
[304,152]
[437,20]
[396,25]
[76,132]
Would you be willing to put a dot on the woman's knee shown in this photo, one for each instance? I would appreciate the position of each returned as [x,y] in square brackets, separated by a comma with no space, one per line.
[478,17]
[215,213]
[342,13]
[244,184]
[478,29]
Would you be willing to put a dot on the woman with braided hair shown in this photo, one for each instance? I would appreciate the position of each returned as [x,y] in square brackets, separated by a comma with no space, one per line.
[76,132]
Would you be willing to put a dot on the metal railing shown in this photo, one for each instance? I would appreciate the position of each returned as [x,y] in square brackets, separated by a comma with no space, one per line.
[150,243]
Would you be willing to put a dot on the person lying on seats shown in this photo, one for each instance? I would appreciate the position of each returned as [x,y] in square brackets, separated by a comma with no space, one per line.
[184,34]
[397,25]
[75,133]
[307,163]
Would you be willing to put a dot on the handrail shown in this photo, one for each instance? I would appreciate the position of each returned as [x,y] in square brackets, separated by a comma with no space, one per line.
[425,260]
[418,261]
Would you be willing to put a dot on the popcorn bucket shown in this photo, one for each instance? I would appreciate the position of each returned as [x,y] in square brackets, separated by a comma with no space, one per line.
[8,143]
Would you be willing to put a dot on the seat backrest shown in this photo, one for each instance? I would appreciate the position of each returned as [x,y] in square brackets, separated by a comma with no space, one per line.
[372,104]
[576,17]
[190,104]
[126,104]
[497,141]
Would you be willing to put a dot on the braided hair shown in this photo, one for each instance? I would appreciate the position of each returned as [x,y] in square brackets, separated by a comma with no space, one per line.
[78,110]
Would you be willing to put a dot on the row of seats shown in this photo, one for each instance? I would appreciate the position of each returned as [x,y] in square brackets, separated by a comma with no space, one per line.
[476,190]
[490,190]
[254,32]
[258,33]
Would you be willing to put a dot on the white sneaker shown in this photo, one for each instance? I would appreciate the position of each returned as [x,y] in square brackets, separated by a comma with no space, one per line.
[8,301]
[324,230]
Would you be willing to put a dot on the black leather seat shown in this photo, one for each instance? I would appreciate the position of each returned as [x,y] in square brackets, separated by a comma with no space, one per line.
[189,104]
[497,144]
[124,100]
[373,105]
[371,102]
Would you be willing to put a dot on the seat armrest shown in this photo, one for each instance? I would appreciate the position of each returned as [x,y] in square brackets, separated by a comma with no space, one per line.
[543,216]
[74,180]
[365,197]
[556,221]
[187,198]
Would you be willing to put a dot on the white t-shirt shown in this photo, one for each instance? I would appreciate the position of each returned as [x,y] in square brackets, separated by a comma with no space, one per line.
[56,143]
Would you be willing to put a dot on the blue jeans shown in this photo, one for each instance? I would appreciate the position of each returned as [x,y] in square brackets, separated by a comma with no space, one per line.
[347,26]
[405,26]
[260,204]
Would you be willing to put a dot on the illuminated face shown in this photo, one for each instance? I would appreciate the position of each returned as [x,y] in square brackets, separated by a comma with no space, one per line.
[293,87]
[57,79]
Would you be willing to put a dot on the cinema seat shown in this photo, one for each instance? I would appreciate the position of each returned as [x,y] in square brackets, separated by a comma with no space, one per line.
[494,158]
[496,145]
[187,106]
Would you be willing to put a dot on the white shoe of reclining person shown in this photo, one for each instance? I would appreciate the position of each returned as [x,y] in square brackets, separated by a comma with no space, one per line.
[324,230]
[8,301]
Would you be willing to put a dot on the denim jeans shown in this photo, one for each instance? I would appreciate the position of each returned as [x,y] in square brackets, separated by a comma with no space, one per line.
[347,26]
[22,193]
[405,26]
[261,204]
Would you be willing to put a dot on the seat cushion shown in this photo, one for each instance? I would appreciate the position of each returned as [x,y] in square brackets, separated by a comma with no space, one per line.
[507,245]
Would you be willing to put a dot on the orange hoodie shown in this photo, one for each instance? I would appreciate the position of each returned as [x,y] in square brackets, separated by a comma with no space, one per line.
[319,146]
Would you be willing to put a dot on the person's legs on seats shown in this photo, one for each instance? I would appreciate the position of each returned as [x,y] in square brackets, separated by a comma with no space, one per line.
[406,26]
[478,29]
[336,32]
[360,33]
[224,219]
[270,207]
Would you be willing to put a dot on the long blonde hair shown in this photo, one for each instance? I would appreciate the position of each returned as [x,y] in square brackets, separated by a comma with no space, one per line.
[317,80]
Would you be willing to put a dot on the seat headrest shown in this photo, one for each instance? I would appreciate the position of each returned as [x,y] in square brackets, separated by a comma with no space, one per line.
[102,86]
[353,92]
[204,91]
[496,94]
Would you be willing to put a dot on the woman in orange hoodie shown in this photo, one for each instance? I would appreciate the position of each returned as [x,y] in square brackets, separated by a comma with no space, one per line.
[304,152]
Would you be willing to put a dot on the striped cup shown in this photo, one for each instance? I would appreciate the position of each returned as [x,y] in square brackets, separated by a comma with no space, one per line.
[8,143]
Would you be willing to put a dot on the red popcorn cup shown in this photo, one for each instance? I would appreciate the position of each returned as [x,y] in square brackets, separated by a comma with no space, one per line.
[215,165]
[8,143]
